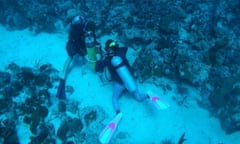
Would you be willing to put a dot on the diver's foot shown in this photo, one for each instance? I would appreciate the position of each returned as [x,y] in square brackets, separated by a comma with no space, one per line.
[157,102]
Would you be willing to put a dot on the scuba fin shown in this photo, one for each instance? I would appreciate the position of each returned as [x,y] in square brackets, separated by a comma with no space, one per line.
[61,94]
[107,133]
[157,101]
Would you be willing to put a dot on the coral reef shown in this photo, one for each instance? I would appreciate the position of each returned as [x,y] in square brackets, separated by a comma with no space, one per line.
[25,97]
[26,94]
[195,42]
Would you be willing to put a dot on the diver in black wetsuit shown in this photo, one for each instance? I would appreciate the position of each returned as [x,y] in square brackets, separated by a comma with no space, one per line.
[120,71]
[81,35]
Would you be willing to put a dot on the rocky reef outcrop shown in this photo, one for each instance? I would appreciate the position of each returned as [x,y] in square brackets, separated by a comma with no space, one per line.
[27,103]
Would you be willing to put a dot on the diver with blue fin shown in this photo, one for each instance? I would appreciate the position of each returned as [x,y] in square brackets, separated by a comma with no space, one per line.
[120,71]
[121,74]
[81,41]
[122,79]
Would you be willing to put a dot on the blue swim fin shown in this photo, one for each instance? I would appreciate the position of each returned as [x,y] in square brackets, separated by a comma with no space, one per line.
[107,133]
[157,101]
[61,94]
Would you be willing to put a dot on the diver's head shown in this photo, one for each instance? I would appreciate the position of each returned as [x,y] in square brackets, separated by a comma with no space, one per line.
[111,45]
[78,19]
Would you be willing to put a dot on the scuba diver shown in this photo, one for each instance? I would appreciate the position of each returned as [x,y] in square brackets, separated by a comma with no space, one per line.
[82,41]
[120,71]
[122,79]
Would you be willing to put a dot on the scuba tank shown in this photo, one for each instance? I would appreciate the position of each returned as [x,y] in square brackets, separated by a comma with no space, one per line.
[91,50]
[124,73]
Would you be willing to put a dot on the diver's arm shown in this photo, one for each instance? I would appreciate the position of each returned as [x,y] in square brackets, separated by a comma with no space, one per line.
[122,51]
[100,65]
[125,49]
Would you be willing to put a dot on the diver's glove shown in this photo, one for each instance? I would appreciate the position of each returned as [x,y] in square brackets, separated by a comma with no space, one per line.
[61,94]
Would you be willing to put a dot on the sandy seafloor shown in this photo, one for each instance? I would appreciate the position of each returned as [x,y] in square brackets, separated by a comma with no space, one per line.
[142,123]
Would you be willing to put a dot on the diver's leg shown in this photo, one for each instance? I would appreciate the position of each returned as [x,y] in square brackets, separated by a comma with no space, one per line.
[117,91]
[66,66]
[140,96]
[71,49]
[61,94]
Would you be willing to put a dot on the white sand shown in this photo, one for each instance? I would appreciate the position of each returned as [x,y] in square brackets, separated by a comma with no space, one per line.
[141,122]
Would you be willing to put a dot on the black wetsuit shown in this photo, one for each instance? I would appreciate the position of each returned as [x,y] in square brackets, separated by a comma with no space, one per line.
[100,65]
[76,39]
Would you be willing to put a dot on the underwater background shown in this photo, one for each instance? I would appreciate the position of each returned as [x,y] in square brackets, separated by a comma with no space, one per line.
[188,50]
